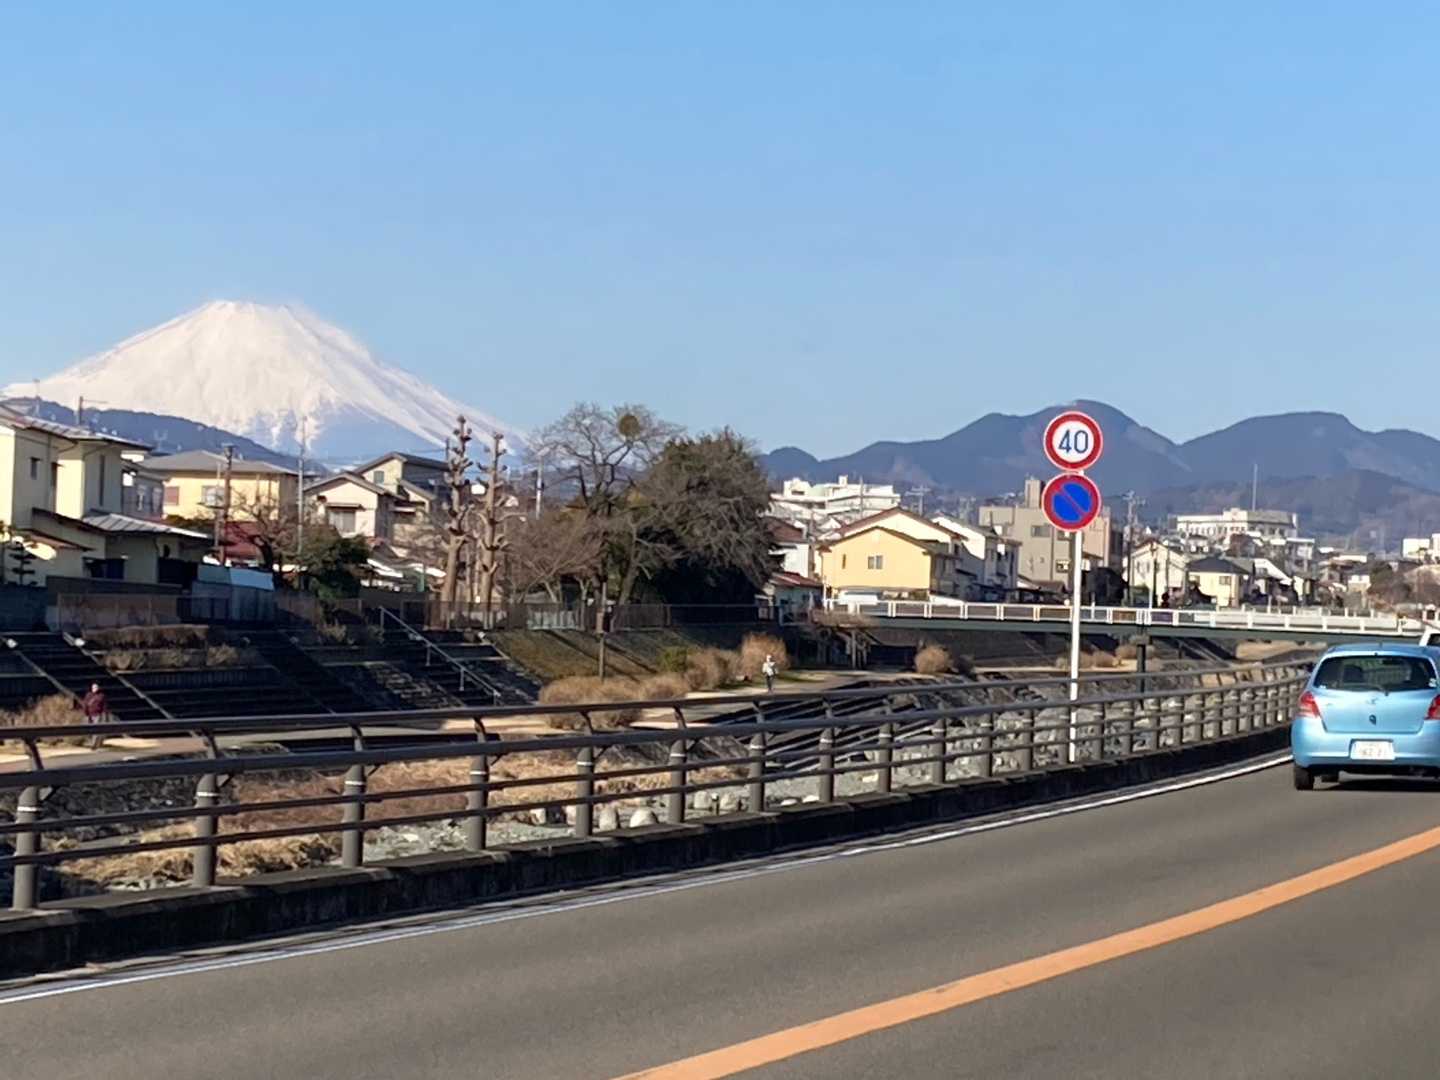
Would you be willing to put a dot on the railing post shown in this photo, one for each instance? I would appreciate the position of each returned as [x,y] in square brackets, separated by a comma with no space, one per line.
[941,730]
[207,796]
[675,800]
[985,760]
[757,772]
[826,786]
[27,875]
[585,791]
[477,802]
[885,758]
[352,842]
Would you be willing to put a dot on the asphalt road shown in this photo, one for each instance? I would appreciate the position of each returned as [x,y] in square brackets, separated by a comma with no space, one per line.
[1342,982]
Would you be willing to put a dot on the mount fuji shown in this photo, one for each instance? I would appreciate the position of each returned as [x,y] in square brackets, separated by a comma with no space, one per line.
[267,373]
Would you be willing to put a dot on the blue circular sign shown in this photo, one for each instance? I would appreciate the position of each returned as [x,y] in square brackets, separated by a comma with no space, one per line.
[1071,501]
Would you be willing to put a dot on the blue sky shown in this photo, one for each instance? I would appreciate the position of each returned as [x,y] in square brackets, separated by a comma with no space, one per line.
[822,224]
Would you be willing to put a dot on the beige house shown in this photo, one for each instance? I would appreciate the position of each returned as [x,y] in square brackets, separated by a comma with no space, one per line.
[1222,581]
[195,483]
[62,494]
[890,565]
[1044,552]
[353,506]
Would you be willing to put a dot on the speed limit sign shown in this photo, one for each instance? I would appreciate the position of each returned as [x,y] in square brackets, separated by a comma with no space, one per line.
[1073,441]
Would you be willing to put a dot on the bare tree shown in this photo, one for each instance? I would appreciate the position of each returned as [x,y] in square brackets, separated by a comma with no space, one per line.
[269,525]
[547,550]
[457,466]
[600,454]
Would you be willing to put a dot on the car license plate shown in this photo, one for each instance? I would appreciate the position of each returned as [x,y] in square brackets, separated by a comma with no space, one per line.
[1372,750]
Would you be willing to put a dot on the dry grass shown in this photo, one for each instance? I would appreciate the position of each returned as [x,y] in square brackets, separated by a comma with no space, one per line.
[151,637]
[1090,661]
[588,689]
[175,865]
[57,710]
[933,660]
[215,656]
[332,633]
[753,650]
[1126,651]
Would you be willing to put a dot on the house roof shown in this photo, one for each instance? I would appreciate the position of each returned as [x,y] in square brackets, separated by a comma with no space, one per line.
[1213,564]
[348,478]
[861,524]
[783,532]
[409,459]
[15,418]
[934,547]
[124,523]
[787,580]
[207,461]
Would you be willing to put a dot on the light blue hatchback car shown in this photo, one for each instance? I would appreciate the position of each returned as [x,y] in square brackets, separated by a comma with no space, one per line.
[1371,708]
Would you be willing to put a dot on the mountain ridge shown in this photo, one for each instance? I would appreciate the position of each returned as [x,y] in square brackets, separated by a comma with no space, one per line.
[994,453]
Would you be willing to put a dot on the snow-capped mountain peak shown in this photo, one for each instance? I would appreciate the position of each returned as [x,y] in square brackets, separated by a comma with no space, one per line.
[259,370]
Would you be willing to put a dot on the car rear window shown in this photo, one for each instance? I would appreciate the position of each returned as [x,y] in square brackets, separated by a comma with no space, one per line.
[1375,673]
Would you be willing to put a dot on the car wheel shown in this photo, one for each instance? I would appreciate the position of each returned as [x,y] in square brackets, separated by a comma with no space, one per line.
[1304,779]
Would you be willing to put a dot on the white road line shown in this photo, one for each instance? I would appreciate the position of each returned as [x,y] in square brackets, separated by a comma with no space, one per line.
[470,922]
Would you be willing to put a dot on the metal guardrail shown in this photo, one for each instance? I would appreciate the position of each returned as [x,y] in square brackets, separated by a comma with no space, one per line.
[432,649]
[1218,619]
[906,734]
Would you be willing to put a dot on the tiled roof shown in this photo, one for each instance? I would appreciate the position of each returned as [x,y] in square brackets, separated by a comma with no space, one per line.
[207,461]
[124,523]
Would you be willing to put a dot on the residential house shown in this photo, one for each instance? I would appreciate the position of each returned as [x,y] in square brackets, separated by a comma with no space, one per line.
[61,500]
[353,506]
[997,560]
[792,546]
[143,491]
[195,483]
[793,595]
[1044,552]
[1158,569]
[878,561]
[420,488]
[1223,582]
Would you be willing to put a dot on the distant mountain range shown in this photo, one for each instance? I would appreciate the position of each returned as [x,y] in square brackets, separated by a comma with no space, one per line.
[995,453]
[1340,478]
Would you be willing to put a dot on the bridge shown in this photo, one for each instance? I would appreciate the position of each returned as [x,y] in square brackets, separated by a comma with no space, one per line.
[1299,625]
[1208,921]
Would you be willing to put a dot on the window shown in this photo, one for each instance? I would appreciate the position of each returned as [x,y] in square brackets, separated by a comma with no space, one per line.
[378,477]
[212,495]
[34,468]
[1384,673]
[1040,530]
[875,562]
[100,495]
[343,520]
[172,495]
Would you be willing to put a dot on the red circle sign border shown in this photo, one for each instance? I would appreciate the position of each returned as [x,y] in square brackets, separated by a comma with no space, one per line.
[1095,451]
[1046,495]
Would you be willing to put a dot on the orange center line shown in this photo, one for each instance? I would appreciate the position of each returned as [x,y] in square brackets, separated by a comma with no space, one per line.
[832,1030]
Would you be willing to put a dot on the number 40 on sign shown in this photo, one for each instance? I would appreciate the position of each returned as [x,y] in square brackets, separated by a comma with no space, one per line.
[1073,441]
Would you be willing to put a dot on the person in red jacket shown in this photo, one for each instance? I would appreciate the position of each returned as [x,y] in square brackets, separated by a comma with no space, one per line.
[97,710]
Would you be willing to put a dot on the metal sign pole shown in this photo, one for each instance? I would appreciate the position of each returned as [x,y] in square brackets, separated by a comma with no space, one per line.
[1077,553]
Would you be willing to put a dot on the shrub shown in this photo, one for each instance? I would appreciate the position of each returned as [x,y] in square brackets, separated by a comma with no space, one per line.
[171,659]
[753,650]
[587,690]
[933,660]
[1127,651]
[57,710]
[664,686]
[675,658]
[710,669]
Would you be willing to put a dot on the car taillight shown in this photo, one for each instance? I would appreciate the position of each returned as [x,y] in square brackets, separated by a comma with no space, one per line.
[1434,713]
[1310,707]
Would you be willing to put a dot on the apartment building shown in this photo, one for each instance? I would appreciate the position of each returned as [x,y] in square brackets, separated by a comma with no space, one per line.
[1042,552]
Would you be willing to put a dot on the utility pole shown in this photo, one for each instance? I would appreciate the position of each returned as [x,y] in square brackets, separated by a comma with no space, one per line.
[1254,486]
[222,519]
[539,483]
[1129,498]
[919,493]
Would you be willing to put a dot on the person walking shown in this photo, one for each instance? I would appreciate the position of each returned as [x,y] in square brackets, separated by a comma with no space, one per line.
[768,669]
[97,710]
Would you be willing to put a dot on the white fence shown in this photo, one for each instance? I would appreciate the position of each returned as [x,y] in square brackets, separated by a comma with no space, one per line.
[1220,619]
